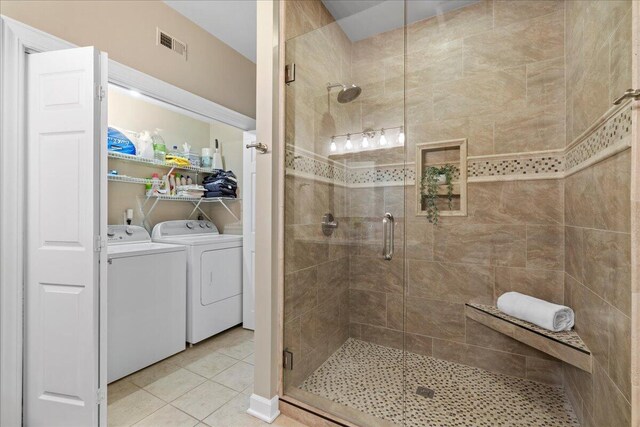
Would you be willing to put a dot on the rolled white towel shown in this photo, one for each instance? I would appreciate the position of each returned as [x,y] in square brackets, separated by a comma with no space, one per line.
[545,314]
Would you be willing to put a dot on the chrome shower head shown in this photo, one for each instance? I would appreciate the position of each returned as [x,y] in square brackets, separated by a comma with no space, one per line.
[347,93]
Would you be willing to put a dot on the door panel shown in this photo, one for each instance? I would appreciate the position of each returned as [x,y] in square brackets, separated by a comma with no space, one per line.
[249,232]
[221,275]
[64,222]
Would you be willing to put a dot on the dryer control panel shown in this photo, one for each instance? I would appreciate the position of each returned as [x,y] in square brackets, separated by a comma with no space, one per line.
[183,228]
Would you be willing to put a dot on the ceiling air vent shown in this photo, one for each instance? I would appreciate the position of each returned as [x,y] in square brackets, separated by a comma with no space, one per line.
[172,43]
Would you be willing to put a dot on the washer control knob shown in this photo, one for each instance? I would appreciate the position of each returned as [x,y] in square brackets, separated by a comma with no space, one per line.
[110,233]
[129,231]
[190,225]
[202,225]
[208,225]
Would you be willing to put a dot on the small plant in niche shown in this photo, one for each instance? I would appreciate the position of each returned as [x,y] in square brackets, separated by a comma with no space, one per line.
[432,178]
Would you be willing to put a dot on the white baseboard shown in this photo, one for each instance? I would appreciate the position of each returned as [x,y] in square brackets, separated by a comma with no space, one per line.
[264,409]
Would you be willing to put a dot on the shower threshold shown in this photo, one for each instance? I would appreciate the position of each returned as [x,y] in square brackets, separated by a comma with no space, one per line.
[384,383]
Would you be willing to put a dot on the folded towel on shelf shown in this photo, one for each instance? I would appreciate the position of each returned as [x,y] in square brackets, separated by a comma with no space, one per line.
[547,315]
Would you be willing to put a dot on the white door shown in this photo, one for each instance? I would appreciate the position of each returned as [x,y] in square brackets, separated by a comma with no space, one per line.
[66,215]
[249,232]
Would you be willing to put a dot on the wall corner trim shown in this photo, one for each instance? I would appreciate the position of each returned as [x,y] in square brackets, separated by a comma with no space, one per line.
[263,408]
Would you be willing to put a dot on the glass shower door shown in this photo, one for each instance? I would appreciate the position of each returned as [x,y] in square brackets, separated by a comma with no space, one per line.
[345,212]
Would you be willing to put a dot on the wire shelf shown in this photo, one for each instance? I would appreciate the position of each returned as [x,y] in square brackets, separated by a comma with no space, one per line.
[128,179]
[152,162]
[195,199]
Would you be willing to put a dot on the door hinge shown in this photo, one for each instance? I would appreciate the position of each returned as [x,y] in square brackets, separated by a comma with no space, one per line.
[287,360]
[289,73]
[100,396]
[100,93]
[98,244]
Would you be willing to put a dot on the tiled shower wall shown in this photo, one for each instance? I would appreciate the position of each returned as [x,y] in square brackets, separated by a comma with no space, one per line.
[316,308]
[471,73]
[597,215]
[493,72]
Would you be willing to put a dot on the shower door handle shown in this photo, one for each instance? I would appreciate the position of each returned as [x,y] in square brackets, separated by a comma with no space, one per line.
[388,225]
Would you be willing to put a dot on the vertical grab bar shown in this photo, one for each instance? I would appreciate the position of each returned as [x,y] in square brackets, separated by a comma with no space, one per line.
[388,225]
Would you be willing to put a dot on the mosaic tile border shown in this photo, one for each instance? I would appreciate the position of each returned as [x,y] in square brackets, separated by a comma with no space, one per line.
[613,131]
[606,139]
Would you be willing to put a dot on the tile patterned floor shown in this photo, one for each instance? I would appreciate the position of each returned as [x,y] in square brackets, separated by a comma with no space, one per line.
[208,384]
[369,377]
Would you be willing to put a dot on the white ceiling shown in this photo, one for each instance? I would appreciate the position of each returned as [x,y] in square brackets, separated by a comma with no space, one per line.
[232,21]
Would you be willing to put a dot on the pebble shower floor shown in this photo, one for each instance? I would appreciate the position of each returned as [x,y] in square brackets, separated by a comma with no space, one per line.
[369,377]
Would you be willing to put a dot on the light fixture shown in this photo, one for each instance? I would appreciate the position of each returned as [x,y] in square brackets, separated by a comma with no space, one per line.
[333,147]
[348,145]
[365,140]
[383,139]
[401,136]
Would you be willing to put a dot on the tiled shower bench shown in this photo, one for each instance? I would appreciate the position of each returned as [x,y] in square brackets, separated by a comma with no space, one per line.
[566,345]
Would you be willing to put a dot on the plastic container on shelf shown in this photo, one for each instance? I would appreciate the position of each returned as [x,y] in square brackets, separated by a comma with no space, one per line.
[159,147]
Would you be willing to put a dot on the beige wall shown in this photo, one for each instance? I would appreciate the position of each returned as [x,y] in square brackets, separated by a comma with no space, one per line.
[597,215]
[598,38]
[126,30]
[137,114]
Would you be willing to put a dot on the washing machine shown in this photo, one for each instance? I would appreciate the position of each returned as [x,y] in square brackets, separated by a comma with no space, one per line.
[146,300]
[214,275]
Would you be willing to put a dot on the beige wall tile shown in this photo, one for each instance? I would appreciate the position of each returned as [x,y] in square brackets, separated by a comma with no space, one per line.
[453,25]
[435,318]
[536,39]
[480,335]
[532,128]
[489,92]
[368,307]
[516,202]
[615,410]
[573,252]
[382,336]
[458,283]
[580,200]
[419,344]
[612,193]
[300,292]
[507,12]
[481,244]
[543,284]
[593,316]
[607,267]
[620,352]
[544,371]
[545,247]
[376,274]
[495,361]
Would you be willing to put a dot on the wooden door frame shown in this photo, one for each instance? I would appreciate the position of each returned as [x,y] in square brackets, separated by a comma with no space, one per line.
[17,40]
[269,265]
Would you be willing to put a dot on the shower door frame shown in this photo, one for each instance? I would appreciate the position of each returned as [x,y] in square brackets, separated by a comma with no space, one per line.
[294,407]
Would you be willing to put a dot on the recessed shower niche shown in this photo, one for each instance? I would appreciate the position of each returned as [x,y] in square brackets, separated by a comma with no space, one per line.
[441,175]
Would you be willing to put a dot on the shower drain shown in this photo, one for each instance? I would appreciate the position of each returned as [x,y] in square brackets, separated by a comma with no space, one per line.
[425,392]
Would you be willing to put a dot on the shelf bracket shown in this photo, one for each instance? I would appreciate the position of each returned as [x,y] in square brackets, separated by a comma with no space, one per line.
[228,209]
[197,208]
